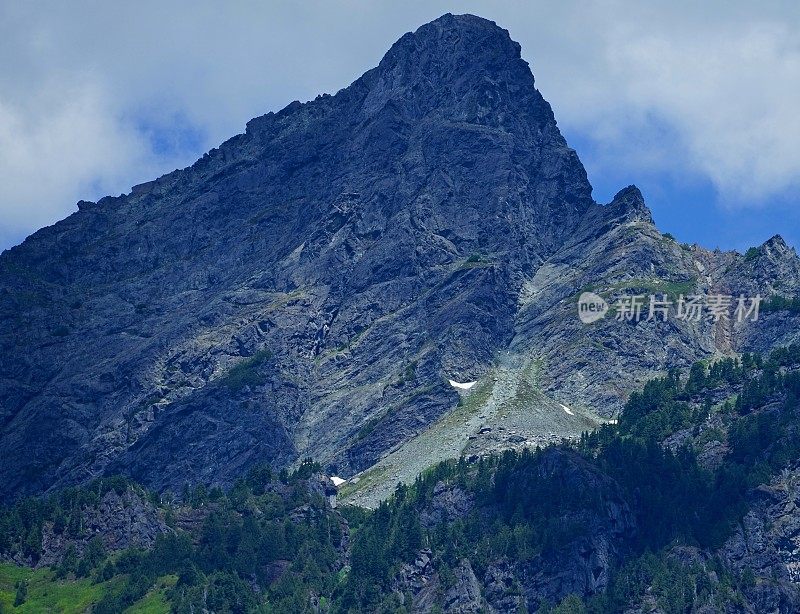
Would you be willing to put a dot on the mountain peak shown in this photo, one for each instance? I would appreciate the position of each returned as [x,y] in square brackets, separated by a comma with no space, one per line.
[303,265]
[775,242]
[457,36]
[464,67]
[630,203]
[776,247]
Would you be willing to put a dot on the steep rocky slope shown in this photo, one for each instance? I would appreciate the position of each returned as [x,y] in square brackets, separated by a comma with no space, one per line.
[307,288]
[688,503]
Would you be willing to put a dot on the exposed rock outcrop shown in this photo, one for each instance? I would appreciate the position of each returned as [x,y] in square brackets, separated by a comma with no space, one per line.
[120,520]
[766,545]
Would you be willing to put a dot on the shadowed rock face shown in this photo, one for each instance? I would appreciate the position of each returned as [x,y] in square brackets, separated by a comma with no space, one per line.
[601,522]
[306,288]
[120,520]
[584,565]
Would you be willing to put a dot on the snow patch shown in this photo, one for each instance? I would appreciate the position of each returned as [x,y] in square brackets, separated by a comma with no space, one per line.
[460,386]
[337,481]
[566,409]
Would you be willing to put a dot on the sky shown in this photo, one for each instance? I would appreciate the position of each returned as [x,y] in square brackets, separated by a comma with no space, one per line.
[697,103]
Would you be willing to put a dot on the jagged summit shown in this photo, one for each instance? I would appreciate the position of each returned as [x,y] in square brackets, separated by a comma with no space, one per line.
[465,68]
[631,203]
[460,68]
[454,40]
[776,244]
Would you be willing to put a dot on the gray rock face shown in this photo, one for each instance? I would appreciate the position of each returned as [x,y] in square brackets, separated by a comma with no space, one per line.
[448,505]
[582,566]
[465,594]
[501,587]
[307,288]
[120,520]
[767,544]
[419,581]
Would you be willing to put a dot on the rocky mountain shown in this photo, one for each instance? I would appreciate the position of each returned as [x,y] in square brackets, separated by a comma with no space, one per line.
[308,289]
[687,504]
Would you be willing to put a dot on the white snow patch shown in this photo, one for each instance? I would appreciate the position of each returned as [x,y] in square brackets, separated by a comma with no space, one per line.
[460,386]
[566,409]
[337,481]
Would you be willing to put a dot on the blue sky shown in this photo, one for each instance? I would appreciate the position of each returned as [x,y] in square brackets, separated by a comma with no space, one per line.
[688,205]
[696,103]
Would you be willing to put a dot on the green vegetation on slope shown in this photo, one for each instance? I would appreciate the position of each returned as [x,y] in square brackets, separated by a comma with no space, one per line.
[44,593]
[519,513]
[527,509]
[246,372]
[781,303]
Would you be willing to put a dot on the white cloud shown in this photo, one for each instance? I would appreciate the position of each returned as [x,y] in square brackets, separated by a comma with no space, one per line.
[731,95]
[688,88]
[707,88]
[63,142]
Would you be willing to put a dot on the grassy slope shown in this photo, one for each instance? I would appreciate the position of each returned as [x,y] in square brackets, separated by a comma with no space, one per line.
[70,596]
